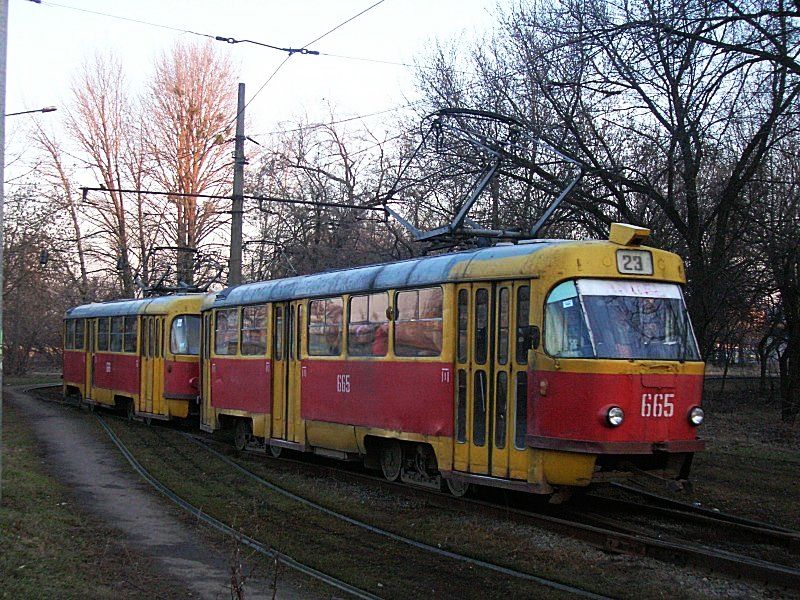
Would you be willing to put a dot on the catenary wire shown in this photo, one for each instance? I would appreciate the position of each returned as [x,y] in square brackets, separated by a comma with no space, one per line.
[314,41]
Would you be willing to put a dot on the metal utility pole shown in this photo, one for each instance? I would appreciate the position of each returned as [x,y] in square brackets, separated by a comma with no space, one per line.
[3,43]
[235,261]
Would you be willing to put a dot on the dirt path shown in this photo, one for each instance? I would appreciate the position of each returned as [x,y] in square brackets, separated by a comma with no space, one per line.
[106,486]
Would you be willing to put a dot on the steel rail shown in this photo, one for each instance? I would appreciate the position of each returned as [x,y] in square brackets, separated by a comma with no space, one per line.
[393,536]
[706,512]
[763,531]
[228,530]
[623,541]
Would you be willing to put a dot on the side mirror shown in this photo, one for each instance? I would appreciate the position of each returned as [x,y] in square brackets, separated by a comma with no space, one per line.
[528,337]
[535,337]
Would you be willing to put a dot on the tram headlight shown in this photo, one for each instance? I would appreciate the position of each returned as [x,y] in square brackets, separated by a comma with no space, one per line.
[615,416]
[696,415]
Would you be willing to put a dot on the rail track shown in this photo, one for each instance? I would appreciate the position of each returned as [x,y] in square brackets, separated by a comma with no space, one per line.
[605,533]
[656,506]
[274,554]
[598,530]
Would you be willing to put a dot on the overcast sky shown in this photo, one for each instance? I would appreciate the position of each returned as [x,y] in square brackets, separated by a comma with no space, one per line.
[48,42]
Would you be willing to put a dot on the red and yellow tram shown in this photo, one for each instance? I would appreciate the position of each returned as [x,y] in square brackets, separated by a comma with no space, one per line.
[530,366]
[141,356]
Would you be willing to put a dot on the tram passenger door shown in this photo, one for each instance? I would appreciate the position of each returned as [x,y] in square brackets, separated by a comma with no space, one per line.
[487,374]
[294,429]
[91,336]
[280,353]
[157,402]
[287,320]
[146,341]
[207,416]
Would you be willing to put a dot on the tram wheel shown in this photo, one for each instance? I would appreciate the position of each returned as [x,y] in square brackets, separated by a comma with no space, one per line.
[241,434]
[130,410]
[391,460]
[275,451]
[457,487]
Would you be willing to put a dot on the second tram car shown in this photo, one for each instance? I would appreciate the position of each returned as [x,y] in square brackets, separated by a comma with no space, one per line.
[140,356]
[540,366]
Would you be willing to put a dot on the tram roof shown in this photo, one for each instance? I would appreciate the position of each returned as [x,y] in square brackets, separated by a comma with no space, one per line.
[415,272]
[118,308]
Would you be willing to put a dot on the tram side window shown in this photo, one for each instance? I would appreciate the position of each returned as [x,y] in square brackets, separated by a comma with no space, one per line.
[254,330]
[102,334]
[69,335]
[129,336]
[463,324]
[503,319]
[521,413]
[325,327]
[368,327]
[206,335]
[226,332]
[79,337]
[418,328]
[481,339]
[117,329]
[184,336]
[461,406]
[523,315]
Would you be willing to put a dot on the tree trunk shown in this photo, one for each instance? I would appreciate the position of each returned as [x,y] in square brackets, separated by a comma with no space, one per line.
[790,375]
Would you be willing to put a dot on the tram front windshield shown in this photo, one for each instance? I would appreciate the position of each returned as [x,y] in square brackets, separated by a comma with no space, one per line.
[593,318]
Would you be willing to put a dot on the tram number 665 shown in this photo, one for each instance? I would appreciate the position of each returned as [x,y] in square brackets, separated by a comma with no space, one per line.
[657,405]
[343,384]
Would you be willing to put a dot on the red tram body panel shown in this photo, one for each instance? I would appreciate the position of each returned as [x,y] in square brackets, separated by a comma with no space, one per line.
[241,385]
[74,368]
[395,396]
[118,372]
[552,423]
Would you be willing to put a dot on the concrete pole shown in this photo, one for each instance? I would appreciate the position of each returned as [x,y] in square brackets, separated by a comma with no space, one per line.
[3,44]
[235,261]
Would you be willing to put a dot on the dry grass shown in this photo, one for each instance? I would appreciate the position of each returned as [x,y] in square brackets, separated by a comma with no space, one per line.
[51,548]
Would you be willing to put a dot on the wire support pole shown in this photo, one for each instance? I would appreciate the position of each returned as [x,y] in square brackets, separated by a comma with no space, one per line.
[3,46]
[235,260]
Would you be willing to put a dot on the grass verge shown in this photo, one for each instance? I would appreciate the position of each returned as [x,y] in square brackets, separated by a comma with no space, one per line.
[752,461]
[50,547]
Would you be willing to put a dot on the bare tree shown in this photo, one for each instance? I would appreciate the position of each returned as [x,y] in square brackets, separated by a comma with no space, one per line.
[327,164]
[775,238]
[190,107]
[34,297]
[670,129]
[56,171]
[99,122]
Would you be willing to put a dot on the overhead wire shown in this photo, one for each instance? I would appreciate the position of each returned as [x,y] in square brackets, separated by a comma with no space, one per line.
[343,23]
[338,121]
[314,41]
[121,18]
